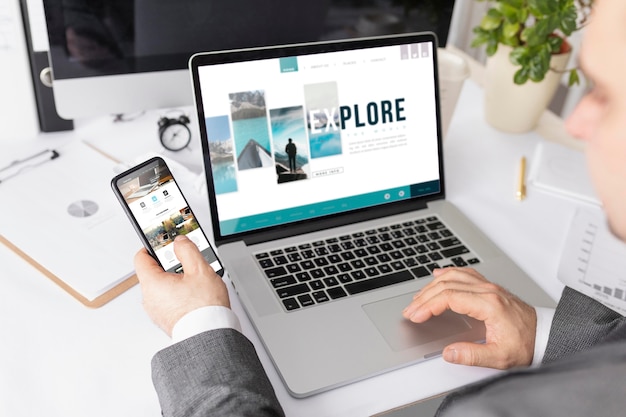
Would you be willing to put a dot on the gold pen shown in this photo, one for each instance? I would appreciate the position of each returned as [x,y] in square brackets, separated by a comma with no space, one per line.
[521,185]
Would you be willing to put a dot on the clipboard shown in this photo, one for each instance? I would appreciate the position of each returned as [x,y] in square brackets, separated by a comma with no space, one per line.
[60,216]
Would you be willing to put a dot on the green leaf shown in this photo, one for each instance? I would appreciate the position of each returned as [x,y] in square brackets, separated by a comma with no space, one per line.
[490,22]
[481,38]
[510,13]
[492,19]
[516,4]
[555,44]
[510,30]
[538,34]
[523,15]
[521,76]
[519,56]
[567,21]
[492,47]
[543,7]
[573,78]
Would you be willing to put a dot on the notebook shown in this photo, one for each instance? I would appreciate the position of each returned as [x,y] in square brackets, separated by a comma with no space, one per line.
[326,187]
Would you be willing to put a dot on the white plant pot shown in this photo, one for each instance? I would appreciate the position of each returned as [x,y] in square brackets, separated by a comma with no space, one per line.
[516,108]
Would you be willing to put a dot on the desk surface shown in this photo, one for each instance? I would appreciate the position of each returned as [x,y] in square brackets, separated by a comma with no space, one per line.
[59,358]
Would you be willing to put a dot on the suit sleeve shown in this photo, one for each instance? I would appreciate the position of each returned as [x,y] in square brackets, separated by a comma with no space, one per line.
[579,323]
[585,384]
[215,373]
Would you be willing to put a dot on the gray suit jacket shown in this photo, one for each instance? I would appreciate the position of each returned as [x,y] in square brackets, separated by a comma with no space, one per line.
[583,371]
[216,373]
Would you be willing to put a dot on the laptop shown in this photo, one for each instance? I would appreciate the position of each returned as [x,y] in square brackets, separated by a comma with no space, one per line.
[326,187]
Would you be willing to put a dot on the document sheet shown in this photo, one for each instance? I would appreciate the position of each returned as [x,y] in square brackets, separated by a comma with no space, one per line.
[594,260]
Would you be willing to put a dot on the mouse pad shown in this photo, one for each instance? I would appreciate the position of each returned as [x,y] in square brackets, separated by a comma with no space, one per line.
[401,333]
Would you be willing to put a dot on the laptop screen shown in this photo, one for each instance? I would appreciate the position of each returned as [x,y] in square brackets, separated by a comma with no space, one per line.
[299,133]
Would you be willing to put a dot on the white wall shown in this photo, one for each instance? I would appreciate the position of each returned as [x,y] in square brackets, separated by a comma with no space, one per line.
[18,113]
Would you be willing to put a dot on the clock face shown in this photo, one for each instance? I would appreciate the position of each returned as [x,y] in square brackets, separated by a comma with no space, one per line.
[175,136]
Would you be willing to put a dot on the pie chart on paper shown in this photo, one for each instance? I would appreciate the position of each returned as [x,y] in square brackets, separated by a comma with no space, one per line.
[82,208]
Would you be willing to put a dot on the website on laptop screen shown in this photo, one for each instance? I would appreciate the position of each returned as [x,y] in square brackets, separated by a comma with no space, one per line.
[300,137]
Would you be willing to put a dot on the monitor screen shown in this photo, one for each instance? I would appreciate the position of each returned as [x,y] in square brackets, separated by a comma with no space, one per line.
[121,56]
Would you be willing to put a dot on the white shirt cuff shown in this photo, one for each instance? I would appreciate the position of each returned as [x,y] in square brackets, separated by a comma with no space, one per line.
[544,322]
[204,319]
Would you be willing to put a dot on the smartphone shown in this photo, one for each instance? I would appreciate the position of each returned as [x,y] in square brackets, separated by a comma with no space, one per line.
[159,212]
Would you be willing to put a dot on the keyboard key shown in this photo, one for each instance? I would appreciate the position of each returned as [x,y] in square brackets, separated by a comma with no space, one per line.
[316,285]
[266,263]
[291,304]
[331,270]
[276,272]
[473,261]
[358,274]
[294,257]
[456,251]
[317,273]
[446,243]
[307,264]
[344,267]
[371,271]
[421,271]
[435,256]
[384,269]
[280,260]
[321,262]
[262,255]
[292,290]
[432,266]
[336,292]
[320,296]
[331,282]
[344,278]
[435,226]
[305,300]
[397,265]
[379,282]
[303,276]
[283,281]
[458,261]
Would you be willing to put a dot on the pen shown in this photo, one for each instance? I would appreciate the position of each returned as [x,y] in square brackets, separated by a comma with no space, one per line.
[521,184]
[19,165]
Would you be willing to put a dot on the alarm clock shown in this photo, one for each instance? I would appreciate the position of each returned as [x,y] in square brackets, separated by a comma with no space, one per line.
[174,133]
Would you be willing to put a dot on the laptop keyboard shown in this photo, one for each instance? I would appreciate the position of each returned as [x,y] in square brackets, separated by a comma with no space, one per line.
[324,270]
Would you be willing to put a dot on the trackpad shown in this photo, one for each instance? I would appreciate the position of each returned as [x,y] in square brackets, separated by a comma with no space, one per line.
[401,333]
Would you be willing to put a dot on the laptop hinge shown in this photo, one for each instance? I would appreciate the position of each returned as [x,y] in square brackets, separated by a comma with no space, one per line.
[318,224]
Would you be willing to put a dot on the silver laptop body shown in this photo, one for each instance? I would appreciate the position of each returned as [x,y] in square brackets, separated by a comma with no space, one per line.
[364,116]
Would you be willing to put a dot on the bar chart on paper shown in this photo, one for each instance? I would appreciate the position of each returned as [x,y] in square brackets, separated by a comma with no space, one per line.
[594,261]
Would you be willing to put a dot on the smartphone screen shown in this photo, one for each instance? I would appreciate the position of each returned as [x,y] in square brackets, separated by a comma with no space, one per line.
[159,212]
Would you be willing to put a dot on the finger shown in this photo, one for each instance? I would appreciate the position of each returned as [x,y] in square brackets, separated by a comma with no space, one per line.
[452,274]
[146,267]
[469,303]
[189,255]
[432,293]
[474,354]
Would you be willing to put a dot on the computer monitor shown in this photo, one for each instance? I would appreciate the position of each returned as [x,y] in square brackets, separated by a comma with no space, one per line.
[124,56]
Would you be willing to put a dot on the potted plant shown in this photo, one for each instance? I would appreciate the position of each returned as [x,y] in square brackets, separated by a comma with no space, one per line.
[528,51]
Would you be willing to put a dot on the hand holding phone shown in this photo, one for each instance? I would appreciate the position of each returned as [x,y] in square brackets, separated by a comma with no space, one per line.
[159,212]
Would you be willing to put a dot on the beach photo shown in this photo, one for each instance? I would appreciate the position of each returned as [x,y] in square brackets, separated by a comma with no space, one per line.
[222,154]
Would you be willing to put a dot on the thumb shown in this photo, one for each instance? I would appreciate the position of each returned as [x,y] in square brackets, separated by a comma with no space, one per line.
[188,254]
[471,354]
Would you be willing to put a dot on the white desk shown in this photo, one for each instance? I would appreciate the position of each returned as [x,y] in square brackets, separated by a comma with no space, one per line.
[58,358]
